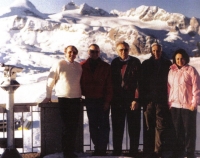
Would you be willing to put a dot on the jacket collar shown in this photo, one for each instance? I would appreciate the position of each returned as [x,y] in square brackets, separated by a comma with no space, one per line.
[125,59]
[87,62]
[175,67]
[69,62]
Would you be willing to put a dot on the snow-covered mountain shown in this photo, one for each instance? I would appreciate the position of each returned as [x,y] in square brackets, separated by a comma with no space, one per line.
[21,8]
[29,33]
[150,13]
[85,9]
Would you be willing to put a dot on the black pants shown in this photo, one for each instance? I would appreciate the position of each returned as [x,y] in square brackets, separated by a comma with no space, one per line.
[98,124]
[158,132]
[184,122]
[118,115]
[70,112]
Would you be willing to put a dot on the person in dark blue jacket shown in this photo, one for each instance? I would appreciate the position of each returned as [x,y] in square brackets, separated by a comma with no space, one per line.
[125,71]
[154,98]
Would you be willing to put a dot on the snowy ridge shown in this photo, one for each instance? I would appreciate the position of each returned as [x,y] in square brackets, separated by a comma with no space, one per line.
[22,8]
[149,13]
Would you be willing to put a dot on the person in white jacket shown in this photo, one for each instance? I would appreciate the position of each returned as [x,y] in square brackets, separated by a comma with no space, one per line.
[65,76]
[184,96]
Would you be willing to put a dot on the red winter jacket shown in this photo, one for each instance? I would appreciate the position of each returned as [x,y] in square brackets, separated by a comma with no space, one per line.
[98,84]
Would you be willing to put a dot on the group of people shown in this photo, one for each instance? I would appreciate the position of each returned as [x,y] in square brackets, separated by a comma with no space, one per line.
[168,92]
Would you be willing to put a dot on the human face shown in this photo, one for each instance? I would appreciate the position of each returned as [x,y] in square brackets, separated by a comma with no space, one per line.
[156,51]
[93,52]
[180,61]
[123,51]
[70,54]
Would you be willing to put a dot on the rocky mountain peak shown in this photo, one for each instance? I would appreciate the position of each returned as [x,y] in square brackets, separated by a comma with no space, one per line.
[85,9]
[70,6]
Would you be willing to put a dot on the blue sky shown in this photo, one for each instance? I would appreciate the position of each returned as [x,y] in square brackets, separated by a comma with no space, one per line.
[187,7]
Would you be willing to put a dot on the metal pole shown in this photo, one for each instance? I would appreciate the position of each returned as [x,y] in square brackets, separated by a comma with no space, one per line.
[11,151]
[10,117]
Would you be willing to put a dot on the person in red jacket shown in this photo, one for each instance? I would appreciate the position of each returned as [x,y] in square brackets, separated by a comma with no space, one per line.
[97,90]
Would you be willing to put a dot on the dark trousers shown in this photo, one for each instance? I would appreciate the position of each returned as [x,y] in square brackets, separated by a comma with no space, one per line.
[70,112]
[158,132]
[118,115]
[184,122]
[98,123]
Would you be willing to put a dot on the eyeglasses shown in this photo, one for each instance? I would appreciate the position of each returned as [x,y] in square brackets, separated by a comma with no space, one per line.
[125,50]
[94,51]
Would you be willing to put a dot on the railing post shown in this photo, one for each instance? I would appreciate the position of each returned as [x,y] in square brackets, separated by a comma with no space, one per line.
[10,118]
[10,151]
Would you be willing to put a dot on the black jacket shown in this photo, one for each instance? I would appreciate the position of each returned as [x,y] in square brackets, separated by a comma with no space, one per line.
[131,79]
[154,76]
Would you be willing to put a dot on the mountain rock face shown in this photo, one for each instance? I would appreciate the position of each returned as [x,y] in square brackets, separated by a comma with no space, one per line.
[150,13]
[140,42]
[25,27]
[194,25]
[70,6]
[85,9]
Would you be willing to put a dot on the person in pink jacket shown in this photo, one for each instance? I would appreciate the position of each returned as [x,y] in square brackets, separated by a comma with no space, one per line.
[184,96]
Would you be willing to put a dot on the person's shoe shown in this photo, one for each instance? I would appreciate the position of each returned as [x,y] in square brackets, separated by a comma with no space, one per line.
[73,155]
[117,153]
[179,154]
[167,154]
[153,155]
[102,153]
[99,153]
[95,153]
[70,155]
[190,155]
[133,154]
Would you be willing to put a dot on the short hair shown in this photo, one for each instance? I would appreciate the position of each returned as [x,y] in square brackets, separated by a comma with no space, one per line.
[155,44]
[122,42]
[73,47]
[95,45]
[183,53]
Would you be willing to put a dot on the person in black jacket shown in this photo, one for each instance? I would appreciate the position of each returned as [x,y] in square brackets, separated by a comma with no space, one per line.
[125,71]
[154,97]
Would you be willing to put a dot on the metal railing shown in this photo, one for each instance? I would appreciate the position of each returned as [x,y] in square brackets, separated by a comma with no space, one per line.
[88,145]
[31,144]
[25,127]
[32,136]
[34,132]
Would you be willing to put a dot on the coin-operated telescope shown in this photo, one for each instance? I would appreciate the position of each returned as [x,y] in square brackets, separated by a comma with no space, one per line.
[9,77]
[9,84]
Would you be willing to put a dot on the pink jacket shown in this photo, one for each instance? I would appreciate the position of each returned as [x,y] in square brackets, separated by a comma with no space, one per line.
[183,87]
